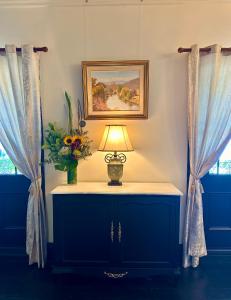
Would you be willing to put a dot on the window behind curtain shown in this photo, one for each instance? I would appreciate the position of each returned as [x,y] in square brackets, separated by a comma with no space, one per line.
[6,165]
[223,166]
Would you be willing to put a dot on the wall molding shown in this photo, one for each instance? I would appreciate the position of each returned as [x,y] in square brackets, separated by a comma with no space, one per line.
[66,3]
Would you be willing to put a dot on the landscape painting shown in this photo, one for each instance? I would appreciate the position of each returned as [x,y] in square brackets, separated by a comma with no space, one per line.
[115,89]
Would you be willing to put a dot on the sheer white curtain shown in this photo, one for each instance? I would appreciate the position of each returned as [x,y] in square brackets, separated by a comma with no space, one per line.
[209,128]
[20,135]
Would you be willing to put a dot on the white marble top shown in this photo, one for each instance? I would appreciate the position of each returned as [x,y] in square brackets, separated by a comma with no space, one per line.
[127,188]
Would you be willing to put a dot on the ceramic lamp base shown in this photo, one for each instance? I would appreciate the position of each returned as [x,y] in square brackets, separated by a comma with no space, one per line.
[115,171]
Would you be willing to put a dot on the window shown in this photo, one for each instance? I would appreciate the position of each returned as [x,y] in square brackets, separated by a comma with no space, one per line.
[223,166]
[6,165]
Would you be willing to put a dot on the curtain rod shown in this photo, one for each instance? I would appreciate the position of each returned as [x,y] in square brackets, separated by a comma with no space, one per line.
[206,49]
[36,49]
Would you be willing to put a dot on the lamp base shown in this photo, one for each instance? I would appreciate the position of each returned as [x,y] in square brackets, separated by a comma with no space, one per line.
[115,170]
[114,183]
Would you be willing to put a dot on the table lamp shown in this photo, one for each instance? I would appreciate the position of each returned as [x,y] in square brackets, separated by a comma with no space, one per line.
[115,139]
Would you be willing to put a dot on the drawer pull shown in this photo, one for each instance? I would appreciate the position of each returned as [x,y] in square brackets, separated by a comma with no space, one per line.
[115,275]
[119,232]
[112,231]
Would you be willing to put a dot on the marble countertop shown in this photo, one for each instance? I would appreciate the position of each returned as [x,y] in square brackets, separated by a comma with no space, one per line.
[128,188]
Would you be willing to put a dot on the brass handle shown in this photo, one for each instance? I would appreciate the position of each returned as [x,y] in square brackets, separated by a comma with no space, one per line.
[119,232]
[112,231]
[115,275]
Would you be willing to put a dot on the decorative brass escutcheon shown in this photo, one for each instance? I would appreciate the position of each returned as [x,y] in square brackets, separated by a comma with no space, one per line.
[115,275]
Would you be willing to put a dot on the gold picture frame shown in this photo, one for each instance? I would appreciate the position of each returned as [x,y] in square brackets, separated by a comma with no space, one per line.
[115,89]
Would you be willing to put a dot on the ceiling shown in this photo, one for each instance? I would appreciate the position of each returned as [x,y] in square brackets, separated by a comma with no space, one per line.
[18,3]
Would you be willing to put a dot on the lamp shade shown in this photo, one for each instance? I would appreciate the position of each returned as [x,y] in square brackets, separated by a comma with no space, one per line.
[115,139]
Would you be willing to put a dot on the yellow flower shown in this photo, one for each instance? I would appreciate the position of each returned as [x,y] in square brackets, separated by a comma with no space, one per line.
[77,139]
[68,140]
[84,139]
[77,152]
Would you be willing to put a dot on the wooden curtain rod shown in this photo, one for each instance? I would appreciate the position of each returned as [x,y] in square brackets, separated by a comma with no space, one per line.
[207,49]
[36,49]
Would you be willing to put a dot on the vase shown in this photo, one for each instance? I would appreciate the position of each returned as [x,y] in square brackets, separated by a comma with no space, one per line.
[72,176]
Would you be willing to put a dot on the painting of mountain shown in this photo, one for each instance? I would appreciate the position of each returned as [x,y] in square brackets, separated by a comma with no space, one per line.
[115,90]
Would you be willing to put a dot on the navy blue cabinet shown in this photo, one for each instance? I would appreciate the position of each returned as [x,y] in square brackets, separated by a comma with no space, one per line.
[149,231]
[81,230]
[116,235]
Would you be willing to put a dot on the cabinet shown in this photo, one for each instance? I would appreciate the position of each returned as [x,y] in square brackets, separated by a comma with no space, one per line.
[116,232]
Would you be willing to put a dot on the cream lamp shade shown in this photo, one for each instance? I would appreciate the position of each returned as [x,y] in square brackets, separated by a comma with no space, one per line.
[115,139]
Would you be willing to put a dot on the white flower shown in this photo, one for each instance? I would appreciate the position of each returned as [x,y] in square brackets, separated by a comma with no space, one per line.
[64,151]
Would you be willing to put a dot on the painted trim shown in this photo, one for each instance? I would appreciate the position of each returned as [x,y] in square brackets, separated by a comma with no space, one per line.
[66,3]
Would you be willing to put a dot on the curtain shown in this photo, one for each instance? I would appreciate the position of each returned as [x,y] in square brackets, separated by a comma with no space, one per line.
[209,131]
[20,135]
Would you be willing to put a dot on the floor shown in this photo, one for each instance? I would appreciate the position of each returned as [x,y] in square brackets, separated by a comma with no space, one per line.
[20,282]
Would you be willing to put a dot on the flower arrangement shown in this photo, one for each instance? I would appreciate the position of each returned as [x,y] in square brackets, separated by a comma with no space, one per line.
[67,147]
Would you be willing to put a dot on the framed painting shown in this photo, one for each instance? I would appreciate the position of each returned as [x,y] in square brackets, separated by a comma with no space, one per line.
[115,89]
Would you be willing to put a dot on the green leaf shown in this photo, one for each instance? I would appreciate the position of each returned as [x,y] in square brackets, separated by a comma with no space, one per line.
[70,123]
[60,167]
[51,126]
